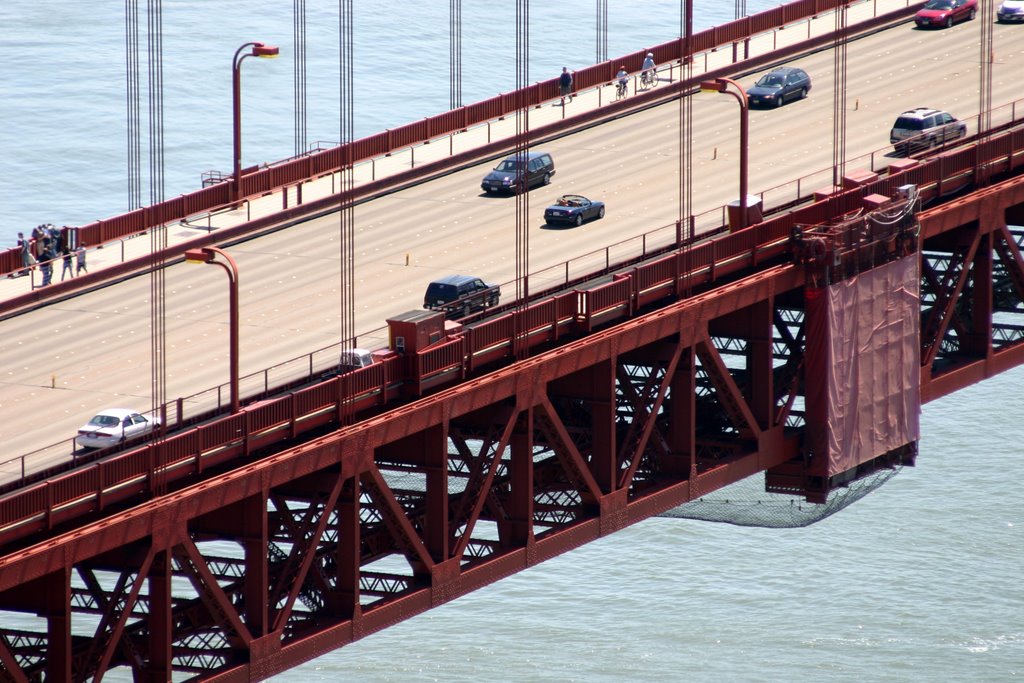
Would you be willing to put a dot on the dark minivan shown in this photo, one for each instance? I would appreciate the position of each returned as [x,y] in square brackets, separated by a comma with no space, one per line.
[457,295]
[508,175]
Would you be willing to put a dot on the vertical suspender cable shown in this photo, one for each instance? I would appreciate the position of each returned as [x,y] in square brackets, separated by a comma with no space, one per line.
[156,106]
[346,211]
[985,59]
[133,102]
[455,54]
[158,233]
[684,222]
[299,76]
[522,147]
[839,98]
[601,53]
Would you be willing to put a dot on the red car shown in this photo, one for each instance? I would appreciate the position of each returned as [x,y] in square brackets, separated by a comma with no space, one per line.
[945,13]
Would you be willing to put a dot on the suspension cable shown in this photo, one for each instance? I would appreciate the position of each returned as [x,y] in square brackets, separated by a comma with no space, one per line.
[839,97]
[522,147]
[133,103]
[985,59]
[684,221]
[346,213]
[158,234]
[455,53]
[299,76]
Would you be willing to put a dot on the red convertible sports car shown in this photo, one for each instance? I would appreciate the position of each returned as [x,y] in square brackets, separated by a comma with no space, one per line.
[945,13]
[573,209]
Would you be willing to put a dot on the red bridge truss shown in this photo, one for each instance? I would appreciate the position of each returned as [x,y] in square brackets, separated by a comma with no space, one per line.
[238,549]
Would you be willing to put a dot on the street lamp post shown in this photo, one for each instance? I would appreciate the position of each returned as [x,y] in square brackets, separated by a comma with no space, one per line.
[721,85]
[258,50]
[208,255]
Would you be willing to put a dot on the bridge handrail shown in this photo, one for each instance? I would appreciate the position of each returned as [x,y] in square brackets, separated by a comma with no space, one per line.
[112,480]
[322,162]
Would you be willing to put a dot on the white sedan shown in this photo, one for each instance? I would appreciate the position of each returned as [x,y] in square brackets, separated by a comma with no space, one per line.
[114,426]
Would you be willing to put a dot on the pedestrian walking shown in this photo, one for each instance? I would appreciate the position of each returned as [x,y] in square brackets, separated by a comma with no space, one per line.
[565,84]
[67,269]
[80,260]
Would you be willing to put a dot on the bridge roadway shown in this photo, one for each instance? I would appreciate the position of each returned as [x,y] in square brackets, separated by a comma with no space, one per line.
[95,348]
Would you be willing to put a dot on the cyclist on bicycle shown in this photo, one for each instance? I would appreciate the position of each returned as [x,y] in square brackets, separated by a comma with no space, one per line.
[648,68]
[623,78]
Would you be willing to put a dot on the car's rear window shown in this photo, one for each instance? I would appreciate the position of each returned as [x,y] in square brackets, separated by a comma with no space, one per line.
[104,421]
[438,290]
[909,123]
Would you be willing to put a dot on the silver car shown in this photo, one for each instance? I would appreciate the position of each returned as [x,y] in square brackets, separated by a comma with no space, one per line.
[114,426]
[923,127]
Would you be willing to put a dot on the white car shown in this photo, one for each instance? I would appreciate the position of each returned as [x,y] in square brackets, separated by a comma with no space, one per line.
[113,426]
[1011,10]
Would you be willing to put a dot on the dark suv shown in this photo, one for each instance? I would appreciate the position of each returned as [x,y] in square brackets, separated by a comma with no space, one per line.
[508,175]
[460,295]
[922,128]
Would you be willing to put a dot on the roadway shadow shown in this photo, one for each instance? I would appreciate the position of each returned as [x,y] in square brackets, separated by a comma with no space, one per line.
[559,226]
[501,195]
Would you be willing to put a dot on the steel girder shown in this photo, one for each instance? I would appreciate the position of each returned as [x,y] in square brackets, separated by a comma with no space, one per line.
[972,288]
[283,560]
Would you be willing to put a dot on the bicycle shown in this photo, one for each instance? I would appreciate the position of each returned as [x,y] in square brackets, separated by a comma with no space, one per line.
[621,89]
[649,78]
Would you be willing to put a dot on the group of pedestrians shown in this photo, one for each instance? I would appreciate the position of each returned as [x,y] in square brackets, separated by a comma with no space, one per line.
[49,241]
[648,75]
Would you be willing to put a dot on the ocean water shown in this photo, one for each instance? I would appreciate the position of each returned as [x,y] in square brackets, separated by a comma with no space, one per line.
[920,581]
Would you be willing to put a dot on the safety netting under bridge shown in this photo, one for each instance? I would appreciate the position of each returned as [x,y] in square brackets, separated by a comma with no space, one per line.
[746,503]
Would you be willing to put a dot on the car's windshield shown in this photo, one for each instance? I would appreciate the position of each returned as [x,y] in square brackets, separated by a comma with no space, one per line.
[509,165]
[771,81]
[104,421]
[939,4]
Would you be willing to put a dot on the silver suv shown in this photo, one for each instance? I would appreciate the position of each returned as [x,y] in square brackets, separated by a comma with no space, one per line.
[922,128]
